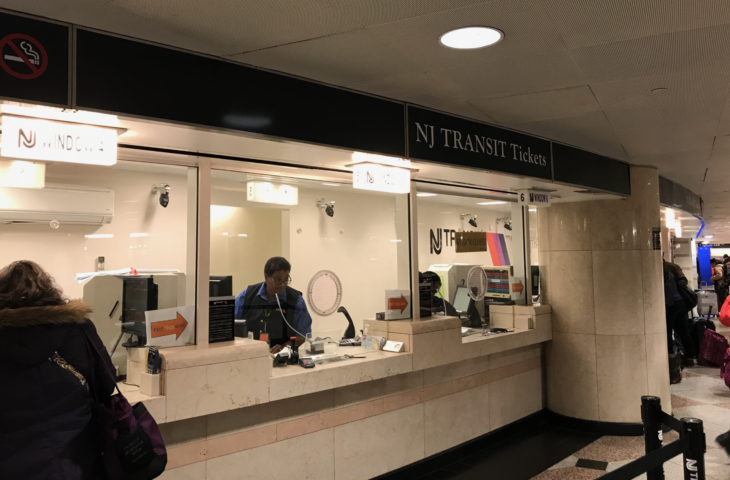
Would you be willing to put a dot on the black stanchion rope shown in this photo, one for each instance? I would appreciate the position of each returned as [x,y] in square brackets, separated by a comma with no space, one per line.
[649,462]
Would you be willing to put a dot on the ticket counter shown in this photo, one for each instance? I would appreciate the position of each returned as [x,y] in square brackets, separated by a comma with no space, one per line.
[225,410]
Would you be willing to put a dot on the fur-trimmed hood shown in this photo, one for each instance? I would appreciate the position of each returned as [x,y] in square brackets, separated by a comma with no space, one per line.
[28,336]
[75,311]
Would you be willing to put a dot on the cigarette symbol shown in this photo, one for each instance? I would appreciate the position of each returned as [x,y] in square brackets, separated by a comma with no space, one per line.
[33,56]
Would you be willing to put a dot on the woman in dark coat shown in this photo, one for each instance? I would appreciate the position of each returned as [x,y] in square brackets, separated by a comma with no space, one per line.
[47,425]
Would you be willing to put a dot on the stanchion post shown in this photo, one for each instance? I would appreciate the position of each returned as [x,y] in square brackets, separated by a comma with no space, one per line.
[694,456]
[651,417]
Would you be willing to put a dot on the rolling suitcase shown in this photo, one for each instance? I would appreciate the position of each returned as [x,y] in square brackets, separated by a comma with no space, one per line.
[697,329]
[706,301]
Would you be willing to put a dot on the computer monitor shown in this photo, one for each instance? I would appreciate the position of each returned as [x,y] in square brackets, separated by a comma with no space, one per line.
[139,295]
[221,286]
[461,299]
[499,280]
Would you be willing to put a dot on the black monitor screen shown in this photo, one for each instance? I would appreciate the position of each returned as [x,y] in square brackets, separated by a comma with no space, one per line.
[221,286]
[461,299]
[139,296]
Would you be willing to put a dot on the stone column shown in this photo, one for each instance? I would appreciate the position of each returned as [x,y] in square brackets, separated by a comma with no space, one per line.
[603,279]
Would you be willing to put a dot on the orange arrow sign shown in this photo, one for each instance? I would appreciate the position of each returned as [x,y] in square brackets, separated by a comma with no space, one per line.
[168,327]
[517,287]
[396,303]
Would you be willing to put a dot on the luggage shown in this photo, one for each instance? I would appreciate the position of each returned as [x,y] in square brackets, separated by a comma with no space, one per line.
[725,369]
[706,299]
[697,328]
[712,349]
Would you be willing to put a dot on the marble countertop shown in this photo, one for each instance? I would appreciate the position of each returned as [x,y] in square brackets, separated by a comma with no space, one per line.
[294,380]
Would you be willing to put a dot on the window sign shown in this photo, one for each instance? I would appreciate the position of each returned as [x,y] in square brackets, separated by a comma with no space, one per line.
[381,178]
[36,139]
[532,197]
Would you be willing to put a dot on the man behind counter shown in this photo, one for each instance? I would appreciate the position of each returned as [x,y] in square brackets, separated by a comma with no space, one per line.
[258,306]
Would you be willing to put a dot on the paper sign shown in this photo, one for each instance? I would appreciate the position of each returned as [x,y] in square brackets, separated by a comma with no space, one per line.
[470,242]
[397,304]
[170,327]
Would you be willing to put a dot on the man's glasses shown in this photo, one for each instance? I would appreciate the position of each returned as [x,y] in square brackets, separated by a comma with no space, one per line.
[282,281]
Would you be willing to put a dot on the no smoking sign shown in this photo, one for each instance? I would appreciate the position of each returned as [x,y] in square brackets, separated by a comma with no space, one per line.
[23,56]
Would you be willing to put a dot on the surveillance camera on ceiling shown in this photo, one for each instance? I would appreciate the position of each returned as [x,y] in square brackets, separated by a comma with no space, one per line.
[329,207]
[164,190]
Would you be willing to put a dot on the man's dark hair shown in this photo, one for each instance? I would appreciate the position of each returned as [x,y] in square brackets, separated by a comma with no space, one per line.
[714,261]
[274,264]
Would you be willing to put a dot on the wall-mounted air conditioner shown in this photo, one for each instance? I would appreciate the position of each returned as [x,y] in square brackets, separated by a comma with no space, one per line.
[68,204]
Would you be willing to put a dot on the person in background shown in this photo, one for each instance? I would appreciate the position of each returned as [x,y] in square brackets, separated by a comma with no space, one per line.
[718,279]
[681,328]
[48,430]
[439,303]
[264,306]
[674,308]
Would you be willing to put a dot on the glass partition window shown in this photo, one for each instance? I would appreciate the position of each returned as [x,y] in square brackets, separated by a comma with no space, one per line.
[456,233]
[345,248]
[92,228]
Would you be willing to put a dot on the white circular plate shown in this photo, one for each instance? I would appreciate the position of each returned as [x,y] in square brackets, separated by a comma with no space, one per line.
[324,293]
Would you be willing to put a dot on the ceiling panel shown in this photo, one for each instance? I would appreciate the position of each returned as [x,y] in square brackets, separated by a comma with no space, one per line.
[522,22]
[376,12]
[343,59]
[670,128]
[236,26]
[523,74]
[661,54]
[538,106]
[582,23]
[419,88]
[706,87]
[590,131]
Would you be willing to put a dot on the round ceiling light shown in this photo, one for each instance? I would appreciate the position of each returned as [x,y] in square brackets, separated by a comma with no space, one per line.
[469,38]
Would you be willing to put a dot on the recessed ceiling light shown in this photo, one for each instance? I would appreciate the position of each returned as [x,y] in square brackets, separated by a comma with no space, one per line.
[491,203]
[469,38]
[331,184]
[243,235]
[425,194]
[708,236]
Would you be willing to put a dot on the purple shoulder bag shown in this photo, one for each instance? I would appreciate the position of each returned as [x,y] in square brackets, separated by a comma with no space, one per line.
[130,440]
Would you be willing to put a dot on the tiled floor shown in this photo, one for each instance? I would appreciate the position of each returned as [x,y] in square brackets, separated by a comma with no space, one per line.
[702,394]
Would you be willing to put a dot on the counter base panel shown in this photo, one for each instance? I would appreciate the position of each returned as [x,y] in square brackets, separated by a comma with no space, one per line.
[363,430]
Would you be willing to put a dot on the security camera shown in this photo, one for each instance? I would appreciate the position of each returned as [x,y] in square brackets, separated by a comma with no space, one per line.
[329,207]
[164,190]
[472,219]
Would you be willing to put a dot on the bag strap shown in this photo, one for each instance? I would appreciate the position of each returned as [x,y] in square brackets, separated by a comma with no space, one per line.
[96,357]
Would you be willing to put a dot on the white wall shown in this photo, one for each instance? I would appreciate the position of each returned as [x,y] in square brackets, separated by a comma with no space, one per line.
[65,251]
[433,215]
[355,244]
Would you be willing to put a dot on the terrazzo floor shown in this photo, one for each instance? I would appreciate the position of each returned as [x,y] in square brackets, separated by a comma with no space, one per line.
[701,394]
